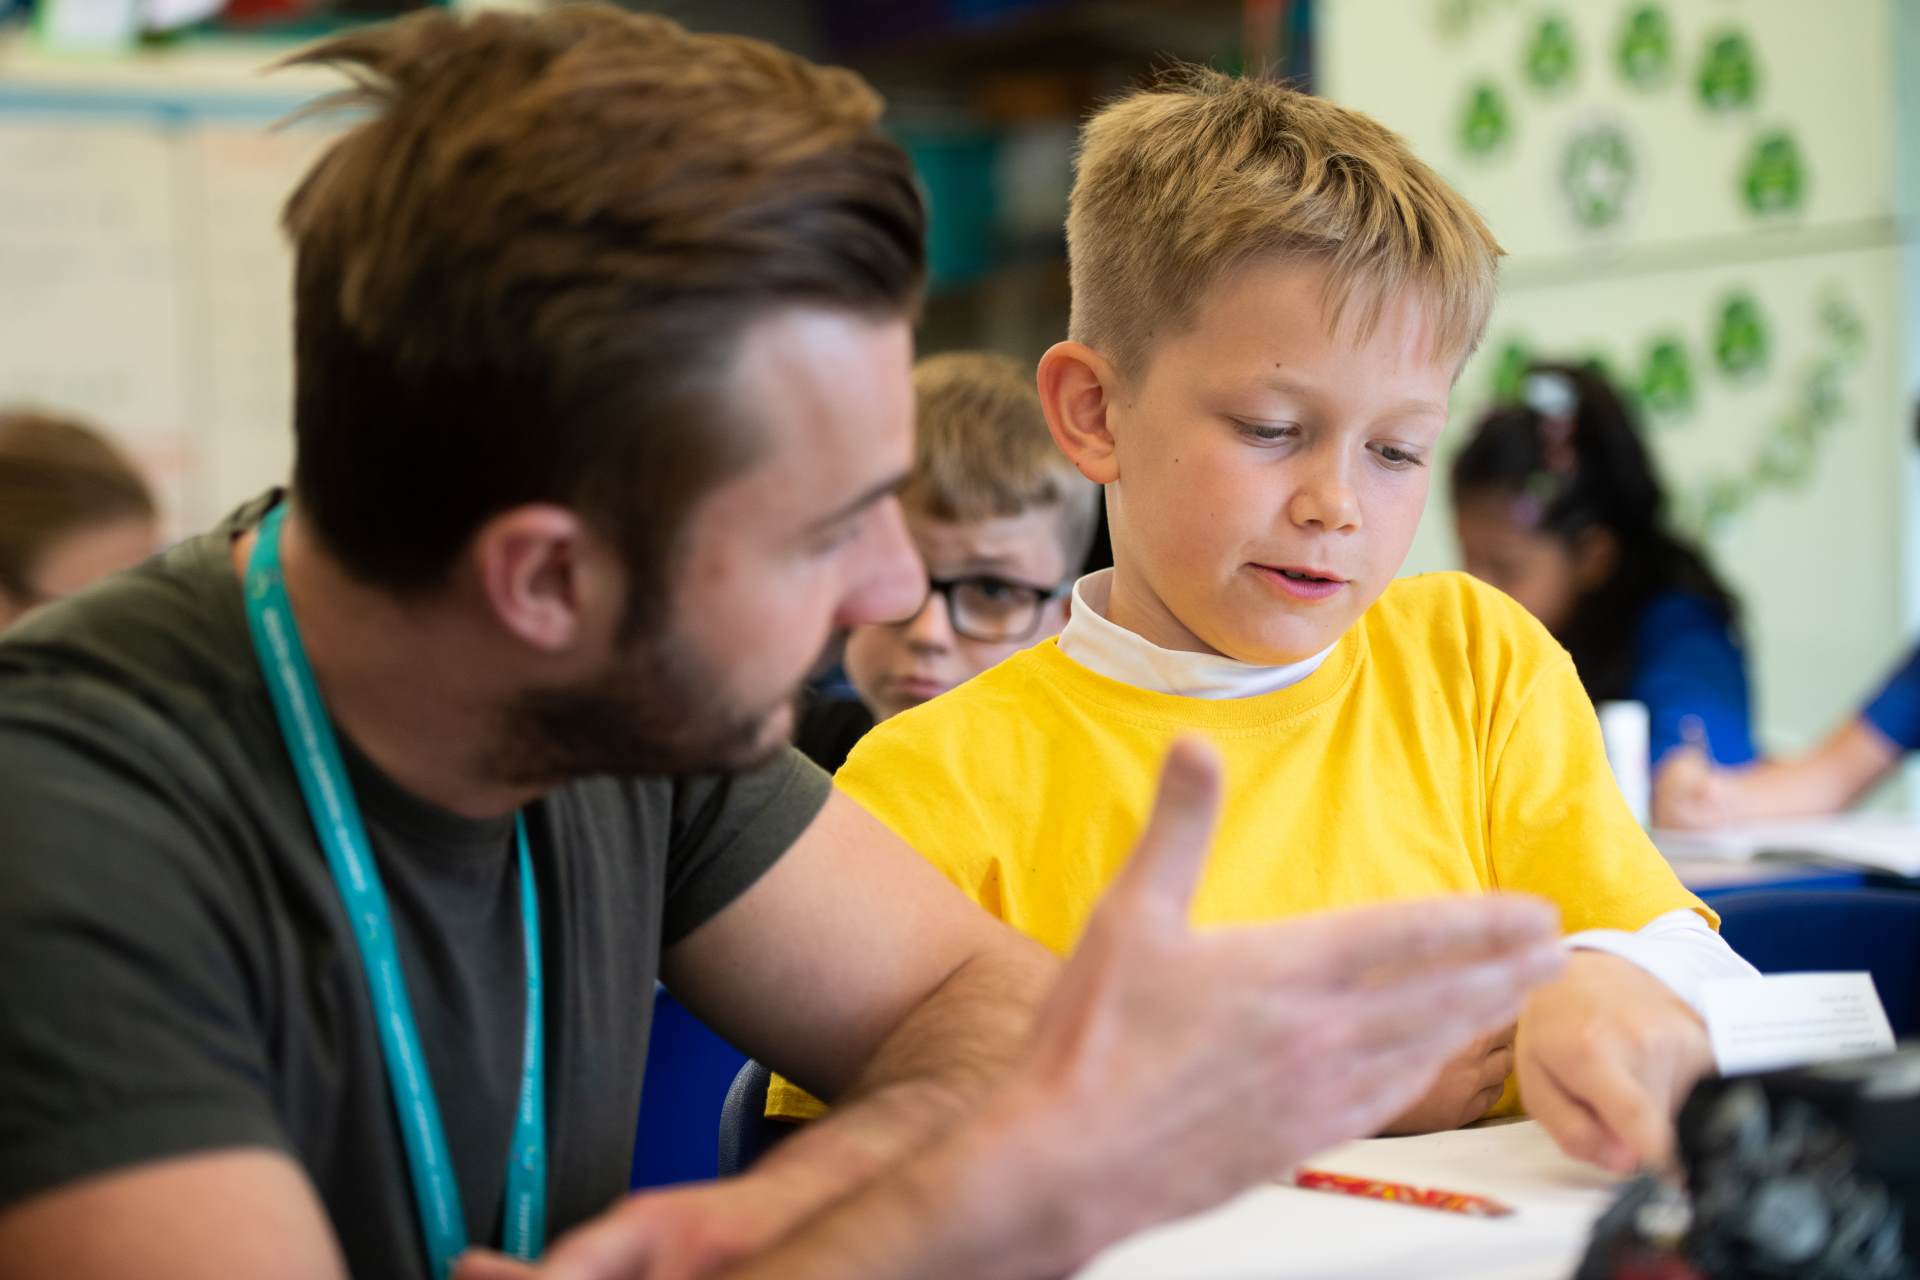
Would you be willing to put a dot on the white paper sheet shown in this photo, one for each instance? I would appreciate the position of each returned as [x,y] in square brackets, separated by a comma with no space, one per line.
[1794,1020]
[1875,841]
[1277,1232]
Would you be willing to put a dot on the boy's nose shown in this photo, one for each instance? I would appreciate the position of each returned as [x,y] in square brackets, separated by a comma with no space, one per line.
[1326,503]
[931,628]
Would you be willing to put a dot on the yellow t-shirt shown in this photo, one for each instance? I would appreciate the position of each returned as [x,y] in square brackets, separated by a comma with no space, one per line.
[1445,746]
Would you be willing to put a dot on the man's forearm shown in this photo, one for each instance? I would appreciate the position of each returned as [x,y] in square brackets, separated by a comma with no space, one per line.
[936,1067]
[994,1198]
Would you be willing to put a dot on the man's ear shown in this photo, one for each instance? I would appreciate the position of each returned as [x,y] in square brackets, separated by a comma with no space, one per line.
[1077,391]
[543,575]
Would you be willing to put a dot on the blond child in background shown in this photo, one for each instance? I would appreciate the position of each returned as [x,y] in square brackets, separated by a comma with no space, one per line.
[1271,301]
[1001,521]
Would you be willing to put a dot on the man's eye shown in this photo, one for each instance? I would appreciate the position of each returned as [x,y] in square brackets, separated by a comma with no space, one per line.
[840,533]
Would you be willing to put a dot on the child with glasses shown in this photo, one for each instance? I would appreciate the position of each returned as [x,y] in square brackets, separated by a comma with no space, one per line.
[1002,521]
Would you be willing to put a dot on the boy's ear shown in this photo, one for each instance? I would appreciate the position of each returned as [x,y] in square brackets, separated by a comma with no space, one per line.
[1077,389]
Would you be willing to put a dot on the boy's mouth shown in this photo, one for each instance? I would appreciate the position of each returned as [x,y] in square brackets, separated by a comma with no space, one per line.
[918,688]
[1301,582]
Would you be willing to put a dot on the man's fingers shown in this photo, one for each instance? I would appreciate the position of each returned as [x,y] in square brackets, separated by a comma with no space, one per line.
[620,1245]
[1166,864]
[1448,1006]
[1388,944]
[485,1264]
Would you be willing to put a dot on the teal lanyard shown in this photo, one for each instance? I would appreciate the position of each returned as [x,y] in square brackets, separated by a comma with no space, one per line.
[336,818]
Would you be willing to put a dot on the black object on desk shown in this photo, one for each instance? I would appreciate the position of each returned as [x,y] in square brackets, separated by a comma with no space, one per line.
[1811,1174]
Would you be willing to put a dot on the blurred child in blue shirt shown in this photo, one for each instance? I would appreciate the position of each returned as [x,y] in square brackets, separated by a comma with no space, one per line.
[1556,503]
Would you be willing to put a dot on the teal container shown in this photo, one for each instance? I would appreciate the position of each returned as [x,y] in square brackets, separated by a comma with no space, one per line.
[957,170]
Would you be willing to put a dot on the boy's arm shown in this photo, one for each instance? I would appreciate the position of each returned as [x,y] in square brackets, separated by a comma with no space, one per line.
[1605,1054]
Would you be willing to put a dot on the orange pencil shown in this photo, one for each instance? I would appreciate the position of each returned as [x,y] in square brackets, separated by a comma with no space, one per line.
[1347,1184]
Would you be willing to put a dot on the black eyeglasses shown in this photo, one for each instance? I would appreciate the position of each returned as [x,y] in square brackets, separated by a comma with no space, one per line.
[989,609]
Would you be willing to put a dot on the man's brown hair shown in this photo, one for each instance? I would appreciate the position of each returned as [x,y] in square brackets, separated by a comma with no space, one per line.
[523,279]
[981,449]
[1177,184]
[57,477]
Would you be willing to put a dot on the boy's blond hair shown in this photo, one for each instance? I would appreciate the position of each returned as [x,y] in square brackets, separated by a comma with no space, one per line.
[981,449]
[1177,184]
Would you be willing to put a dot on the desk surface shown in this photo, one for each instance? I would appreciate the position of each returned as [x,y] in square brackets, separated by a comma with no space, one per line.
[1274,1233]
[1709,876]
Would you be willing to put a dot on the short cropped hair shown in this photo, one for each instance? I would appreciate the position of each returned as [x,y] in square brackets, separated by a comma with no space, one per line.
[524,278]
[981,449]
[1177,184]
[58,476]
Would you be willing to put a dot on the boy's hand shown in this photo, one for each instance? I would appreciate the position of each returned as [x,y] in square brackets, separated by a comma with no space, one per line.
[1466,1089]
[1606,1055]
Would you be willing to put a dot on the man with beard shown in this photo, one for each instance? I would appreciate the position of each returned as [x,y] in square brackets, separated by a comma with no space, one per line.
[340,846]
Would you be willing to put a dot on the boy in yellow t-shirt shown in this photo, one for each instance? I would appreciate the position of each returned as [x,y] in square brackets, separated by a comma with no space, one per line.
[1271,301]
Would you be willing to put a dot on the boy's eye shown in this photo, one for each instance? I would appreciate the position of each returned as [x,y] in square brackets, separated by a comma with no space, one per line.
[1395,456]
[1266,432]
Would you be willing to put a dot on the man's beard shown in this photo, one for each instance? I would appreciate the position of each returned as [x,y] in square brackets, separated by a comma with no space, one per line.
[659,711]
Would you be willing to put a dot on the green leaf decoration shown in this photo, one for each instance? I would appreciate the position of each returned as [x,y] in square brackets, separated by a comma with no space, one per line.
[1843,325]
[1826,393]
[1510,372]
[1486,125]
[1729,73]
[1740,341]
[1775,179]
[1550,63]
[1725,496]
[1666,378]
[1645,55]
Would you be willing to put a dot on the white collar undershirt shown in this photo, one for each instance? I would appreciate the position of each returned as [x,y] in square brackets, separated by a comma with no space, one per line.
[1110,650]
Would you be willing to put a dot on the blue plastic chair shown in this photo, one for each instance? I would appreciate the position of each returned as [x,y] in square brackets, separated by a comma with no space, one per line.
[689,1069]
[1877,930]
[746,1133]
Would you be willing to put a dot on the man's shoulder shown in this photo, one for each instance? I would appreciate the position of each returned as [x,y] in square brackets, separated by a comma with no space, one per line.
[141,674]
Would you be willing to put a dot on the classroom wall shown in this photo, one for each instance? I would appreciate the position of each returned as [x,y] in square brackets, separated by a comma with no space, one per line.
[146,284]
[1701,194]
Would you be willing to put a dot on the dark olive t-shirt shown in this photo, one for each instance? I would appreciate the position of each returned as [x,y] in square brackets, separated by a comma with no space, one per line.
[176,970]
